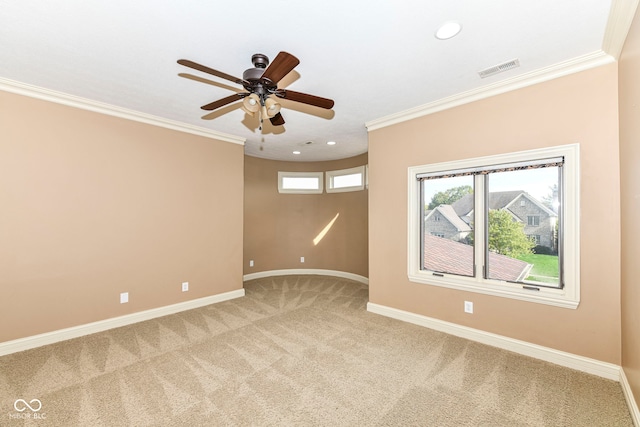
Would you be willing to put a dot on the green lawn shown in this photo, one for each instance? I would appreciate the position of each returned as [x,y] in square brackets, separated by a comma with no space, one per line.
[545,267]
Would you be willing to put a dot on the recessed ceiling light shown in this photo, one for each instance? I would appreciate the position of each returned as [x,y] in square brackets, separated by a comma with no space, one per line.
[331,143]
[296,152]
[448,30]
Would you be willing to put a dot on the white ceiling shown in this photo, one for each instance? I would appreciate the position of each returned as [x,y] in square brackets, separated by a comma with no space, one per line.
[375,58]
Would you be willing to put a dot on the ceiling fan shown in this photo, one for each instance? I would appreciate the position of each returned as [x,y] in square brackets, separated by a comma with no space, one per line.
[261,85]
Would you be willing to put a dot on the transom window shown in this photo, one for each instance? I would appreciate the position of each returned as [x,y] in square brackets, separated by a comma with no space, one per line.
[337,181]
[352,179]
[300,182]
[508,225]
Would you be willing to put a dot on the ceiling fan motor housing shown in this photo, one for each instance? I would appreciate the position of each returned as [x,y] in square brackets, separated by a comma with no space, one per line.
[260,60]
[252,74]
[256,84]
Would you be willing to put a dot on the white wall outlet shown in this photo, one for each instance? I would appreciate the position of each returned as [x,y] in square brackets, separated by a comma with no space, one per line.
[124,297]
[185,286]
[301,259]
[468,307]
[250,263]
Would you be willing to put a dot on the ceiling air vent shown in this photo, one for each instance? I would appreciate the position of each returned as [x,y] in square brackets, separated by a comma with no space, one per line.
[505,66]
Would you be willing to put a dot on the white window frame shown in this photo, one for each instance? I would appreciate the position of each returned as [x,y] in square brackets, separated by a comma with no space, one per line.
[366,176]
[331,175]
[569,295]
[317,175]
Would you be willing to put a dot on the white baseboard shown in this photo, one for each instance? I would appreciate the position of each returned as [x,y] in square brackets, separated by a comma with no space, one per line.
[34,341]
[300,271]
[631,401]
[573,361]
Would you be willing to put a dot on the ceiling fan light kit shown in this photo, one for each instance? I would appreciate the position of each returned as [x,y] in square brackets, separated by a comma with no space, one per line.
[260,83]
[271,107]
[251,103]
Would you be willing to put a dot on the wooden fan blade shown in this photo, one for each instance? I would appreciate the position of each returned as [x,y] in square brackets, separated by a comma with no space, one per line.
[277,120]
[224,101]
[306,98]
[211,71]
[209,82]
[280,67]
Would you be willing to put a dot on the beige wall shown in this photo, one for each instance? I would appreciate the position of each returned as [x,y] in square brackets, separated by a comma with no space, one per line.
[629,93]
[93,205]
[577,108]
[280,228]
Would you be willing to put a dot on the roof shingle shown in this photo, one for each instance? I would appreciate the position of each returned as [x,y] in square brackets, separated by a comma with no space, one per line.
[448,256]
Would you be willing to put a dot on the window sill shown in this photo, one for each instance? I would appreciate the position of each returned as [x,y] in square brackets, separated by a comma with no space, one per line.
[554,297]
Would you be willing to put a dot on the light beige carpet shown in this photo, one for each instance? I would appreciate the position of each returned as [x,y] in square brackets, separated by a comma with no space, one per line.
[296,351]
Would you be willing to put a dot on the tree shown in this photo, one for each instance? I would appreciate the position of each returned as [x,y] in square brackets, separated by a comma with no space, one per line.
[506,236]
[551,199]
[449,196]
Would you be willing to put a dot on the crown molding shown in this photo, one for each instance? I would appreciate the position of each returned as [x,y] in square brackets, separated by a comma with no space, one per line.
[20,88]
[619,22]
[620,18]
[575,65]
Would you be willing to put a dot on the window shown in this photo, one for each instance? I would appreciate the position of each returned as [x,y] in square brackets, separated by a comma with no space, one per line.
[352,179]
[442,220]
[495,243]
[535,238]
[300,182]
[533,220]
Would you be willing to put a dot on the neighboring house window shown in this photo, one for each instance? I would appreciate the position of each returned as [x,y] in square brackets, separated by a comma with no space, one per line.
[436,218]
[352,179]
[534,238]
[438,234]
[493,255]
[300,182]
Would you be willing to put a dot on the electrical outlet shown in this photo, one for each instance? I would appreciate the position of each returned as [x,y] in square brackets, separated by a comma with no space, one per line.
[124,297]
[301,259]
[250,263]
[185,286]
[468,307]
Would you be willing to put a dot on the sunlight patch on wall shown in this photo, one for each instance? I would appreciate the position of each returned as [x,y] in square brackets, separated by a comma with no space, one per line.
[325,230]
